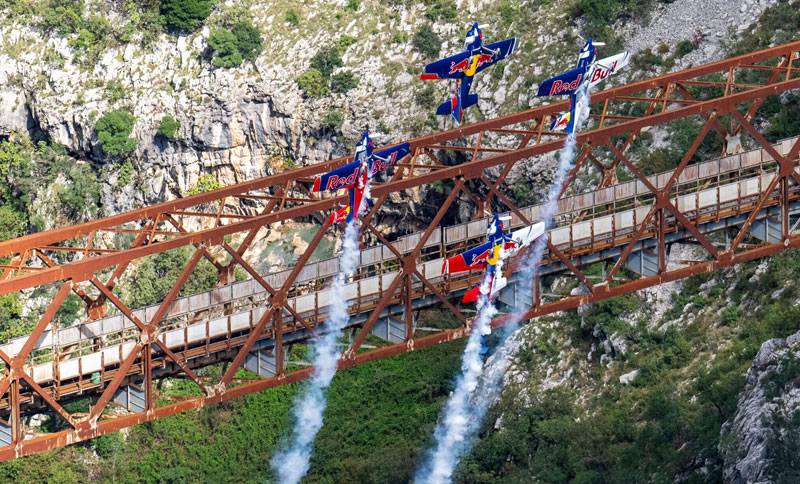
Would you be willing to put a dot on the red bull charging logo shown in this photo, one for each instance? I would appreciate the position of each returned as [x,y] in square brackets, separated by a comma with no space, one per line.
[464,64]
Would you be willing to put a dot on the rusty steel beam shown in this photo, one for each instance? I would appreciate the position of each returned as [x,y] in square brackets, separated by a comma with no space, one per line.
[102,427]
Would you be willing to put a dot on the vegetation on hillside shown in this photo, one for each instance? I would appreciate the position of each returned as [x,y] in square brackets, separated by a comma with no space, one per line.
[235,41]
[426,41]
[185,15]
[319,79]
[28,171]
[668,421]
[379,416]
[168,127]
[113,130]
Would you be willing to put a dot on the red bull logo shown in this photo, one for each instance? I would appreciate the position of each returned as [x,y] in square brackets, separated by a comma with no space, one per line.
[464,64]
[561,122]
[560,86]
[340,215]
[337,182]
[601,73]
[380,165]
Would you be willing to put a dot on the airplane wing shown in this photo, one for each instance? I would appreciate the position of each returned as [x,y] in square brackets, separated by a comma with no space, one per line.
[605,67]
[472,259]
[452,67]
[500,50]
[385,159]
[565,84]
[344,177]
[526,235]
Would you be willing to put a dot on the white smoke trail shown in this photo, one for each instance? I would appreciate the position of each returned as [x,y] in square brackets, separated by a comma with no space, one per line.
[452,434]
[465,411]
[292,463]
[566,161]
[491,386]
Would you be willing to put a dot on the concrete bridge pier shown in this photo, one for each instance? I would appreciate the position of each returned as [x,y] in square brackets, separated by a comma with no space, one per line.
[390,329]
[262,361]
[131,397]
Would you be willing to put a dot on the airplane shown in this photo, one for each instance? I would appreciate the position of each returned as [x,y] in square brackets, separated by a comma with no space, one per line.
[589,70]
[356,175]
[499,246]
[463,66]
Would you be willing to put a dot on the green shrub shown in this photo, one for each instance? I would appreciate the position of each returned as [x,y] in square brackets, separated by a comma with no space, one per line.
[232,47]
[114,91]
[342,82]
[113,129]
[312,83]
[333,120]
[12,223]
[684,47]
[426,41]
[125,176]
[168,127]
[63,17]
[248,39]
[94,36]
[108,445]
[226,53]
[16,178]
[344,42]
[326,60]
[12,323]
[145,20]
[646,60]
[292,17]
[205,183]
[353,5]
[80,197]
[185,15]
[509,11]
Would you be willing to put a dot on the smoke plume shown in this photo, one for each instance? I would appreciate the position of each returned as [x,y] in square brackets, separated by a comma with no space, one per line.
[291,463]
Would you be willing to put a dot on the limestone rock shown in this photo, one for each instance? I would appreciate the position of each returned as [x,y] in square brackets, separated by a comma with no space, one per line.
[764,431]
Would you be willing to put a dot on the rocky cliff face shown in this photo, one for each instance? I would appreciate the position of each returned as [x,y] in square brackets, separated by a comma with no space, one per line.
[762,441]
[237,124]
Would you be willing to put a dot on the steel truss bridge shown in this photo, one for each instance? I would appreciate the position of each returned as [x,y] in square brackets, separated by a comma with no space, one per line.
[739,205]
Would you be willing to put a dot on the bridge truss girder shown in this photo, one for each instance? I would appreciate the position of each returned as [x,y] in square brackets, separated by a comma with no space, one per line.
[90,259]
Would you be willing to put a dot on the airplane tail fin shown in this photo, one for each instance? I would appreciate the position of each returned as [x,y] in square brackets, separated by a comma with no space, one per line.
[455,106]
[341,214]
[472,295]
[560,122]
[452,107]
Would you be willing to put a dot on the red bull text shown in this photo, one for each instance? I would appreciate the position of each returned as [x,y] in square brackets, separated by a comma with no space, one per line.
[560,86]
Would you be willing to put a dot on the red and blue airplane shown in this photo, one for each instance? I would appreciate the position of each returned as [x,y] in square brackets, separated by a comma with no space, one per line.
[589,70]
[463,67]
[356,175]
[499,245]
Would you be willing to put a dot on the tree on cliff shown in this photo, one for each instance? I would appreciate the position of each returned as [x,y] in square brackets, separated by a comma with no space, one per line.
[186,15]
